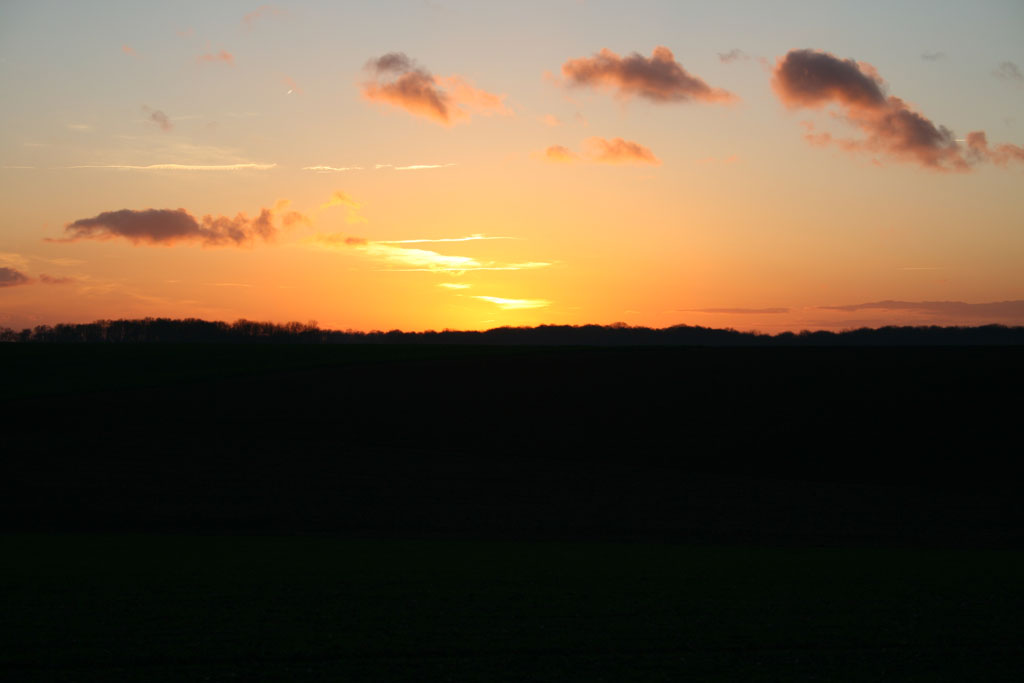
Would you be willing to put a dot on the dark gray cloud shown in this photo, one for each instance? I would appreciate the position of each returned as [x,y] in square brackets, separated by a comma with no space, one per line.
[810,78]
[159,118]
[172,226]
[933,56]
[814,79]
[1008,71]
[9,277]
[659,78]
[392,62]
[733,55]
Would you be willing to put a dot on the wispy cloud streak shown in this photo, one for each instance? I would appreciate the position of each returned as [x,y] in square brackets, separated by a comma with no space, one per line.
[469,238]
[1003,310]
[515,304]
[407,259]
[180,167]
[332,169]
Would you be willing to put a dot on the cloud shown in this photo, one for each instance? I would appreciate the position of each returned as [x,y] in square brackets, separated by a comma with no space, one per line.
[417,167]
[212,58]
[618,151]
[560,155]
[453,285]
[515,304]
[13,259]
[813,79]
[335,239]
[1000,155]
[733,55]
[339,198]
[600,151]
[411,167]
[332,169]
[249,19]
[9,277]
[810,78]
[737,311]
[293,87]
[399,81]
[468,238]
[933,56]
[289,218]
[129,50]
[159,118]
[414,259]
[184,167]
[406,259]
[659,78]
[550,120]
[350,205]
[1008,71]
[1002,310]
[174,226]
[53,280]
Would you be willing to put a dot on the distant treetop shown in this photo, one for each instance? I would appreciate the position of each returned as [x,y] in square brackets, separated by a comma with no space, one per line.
[193,330]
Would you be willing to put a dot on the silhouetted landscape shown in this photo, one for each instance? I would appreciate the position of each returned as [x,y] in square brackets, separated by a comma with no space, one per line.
[618,334]
[552,503]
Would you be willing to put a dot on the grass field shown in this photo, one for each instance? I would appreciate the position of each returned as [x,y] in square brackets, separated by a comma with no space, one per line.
[168,608]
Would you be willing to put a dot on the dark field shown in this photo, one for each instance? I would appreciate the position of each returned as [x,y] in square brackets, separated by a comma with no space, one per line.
[262,512]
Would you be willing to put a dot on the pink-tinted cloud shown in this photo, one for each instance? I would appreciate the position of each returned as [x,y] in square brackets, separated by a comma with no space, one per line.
[223,57]
[1000,155]
[335,239]
[813,79]
[659,78]
[399,81]
[601,151]
[560,155]
[618,151]
[129,50]
[263,10]
[175,226]
[9,277]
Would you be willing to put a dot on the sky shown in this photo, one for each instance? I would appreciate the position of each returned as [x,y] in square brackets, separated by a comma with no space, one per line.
[467,165]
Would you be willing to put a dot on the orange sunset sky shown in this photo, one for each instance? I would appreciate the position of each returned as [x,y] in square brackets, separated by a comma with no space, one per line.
[430,165]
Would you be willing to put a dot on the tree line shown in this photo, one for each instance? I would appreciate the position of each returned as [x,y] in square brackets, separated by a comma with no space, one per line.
[194,330]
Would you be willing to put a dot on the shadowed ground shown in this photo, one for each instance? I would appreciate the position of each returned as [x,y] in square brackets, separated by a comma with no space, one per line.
[434,513]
